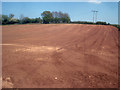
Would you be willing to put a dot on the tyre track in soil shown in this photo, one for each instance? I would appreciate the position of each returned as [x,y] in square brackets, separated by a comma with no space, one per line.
[78,40]
[90,63]
[114,33]
[68,66]
[101,42]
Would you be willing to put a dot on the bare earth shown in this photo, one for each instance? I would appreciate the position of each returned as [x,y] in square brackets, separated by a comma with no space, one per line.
[60,56]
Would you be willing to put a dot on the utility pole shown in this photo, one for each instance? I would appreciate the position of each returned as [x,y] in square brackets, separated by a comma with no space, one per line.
[94,15]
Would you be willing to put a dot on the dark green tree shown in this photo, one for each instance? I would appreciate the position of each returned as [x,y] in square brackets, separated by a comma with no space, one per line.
[47,17]
[26,20]
[38,20]
[60,17]
[101,23]
[5,19]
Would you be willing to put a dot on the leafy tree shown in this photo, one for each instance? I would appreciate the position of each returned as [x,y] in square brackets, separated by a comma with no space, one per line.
[55,14]
[5,19]
[11,15]
[26,20]
[13,21]
[38,20]
[47,17]
[60,17]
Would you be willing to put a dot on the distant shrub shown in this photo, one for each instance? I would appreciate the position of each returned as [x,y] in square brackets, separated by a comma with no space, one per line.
[117,26]
[101,23]
[82,22]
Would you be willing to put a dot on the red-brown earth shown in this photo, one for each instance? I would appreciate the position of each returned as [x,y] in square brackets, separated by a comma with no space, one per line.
[59,56]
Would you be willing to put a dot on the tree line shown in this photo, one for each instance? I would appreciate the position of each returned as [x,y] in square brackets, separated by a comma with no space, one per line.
[47,18]
[85,22]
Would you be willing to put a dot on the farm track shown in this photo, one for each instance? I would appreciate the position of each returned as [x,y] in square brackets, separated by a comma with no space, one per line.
[60,56]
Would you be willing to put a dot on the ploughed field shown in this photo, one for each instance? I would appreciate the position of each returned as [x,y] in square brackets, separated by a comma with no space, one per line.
[60,56]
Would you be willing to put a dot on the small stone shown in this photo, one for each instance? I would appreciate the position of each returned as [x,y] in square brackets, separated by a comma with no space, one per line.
[89,76]
[8,79]
[55,78]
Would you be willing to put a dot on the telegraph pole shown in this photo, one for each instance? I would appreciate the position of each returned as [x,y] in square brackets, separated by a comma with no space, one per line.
[94,15]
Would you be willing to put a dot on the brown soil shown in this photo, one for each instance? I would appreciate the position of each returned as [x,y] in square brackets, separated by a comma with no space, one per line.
[60,56]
